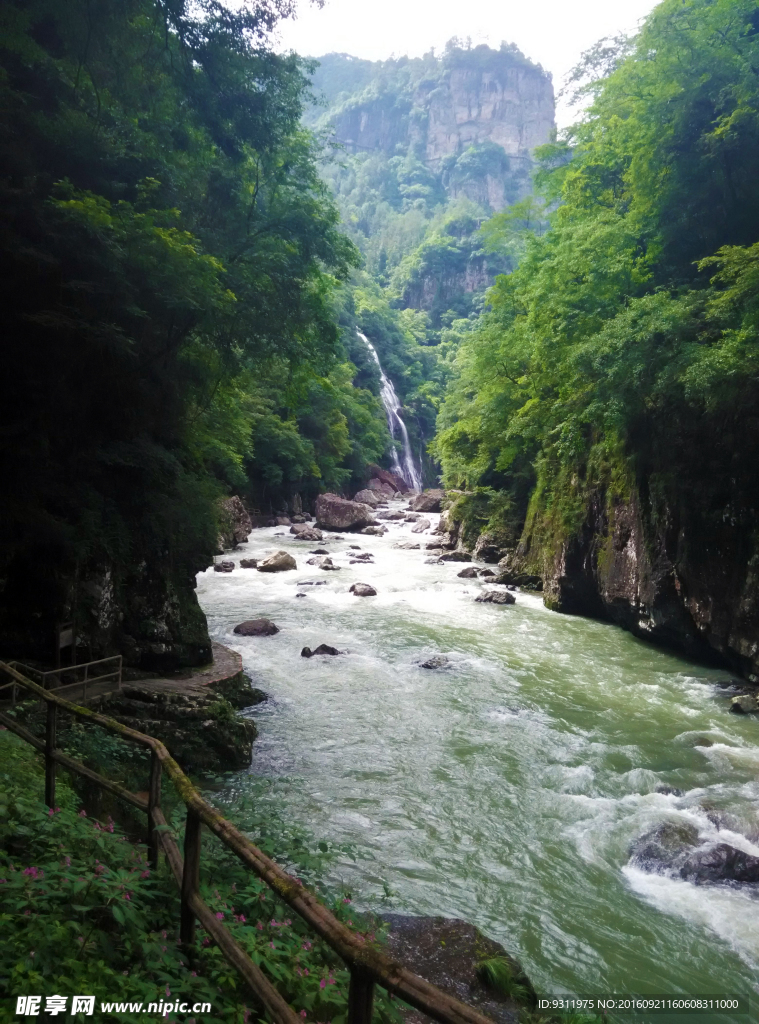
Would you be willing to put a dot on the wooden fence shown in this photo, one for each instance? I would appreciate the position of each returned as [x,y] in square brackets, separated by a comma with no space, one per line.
[368,965]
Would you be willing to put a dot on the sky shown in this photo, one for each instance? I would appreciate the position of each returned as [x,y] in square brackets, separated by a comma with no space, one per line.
[553,33]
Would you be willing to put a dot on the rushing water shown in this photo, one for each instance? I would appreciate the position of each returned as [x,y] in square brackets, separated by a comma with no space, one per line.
[506,788]
[408,470]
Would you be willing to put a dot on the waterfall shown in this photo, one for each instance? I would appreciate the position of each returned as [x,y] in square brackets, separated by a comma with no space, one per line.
[406,469]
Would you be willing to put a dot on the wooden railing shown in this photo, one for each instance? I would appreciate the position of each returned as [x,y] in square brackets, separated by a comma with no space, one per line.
[91,679]
[368,965]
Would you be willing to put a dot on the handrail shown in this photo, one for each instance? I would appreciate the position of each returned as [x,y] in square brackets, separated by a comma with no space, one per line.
[367,964]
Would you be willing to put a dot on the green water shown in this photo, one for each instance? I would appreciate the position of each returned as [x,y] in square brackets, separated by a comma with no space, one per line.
[507,787]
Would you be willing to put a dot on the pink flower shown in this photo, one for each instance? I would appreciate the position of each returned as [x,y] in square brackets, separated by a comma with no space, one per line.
[82,813]
[260,926]
[346,900]
[306,945]
[219,916]
[303,1013]
[145,874]
[322,983]
[168,991]
[68,861]
[272,945]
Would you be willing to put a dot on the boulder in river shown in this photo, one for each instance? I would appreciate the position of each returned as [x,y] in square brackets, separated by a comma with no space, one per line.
[496,597]
[485,573]
[280,561]
[319,551]
[282,521]
[312,583]
[336,513]
[224,567]
[406,545]
[436,661]
[456,556]
[469,573]
[675,848]
[256,627]
[390,515]
[427,501]
[367,497]
[321,649]
[304,531]
[248,563]
[363,590]
[421,525]
[744,704]
[375,531]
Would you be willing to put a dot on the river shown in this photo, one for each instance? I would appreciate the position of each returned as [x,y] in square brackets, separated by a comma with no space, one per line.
[505,788]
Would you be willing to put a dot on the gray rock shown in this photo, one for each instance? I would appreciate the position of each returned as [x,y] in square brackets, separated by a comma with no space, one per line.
[469,573]
[224,567]
[282,521]
[456,556]
[304,531]
[363,590]
[248,563]
[674,847]
[319,551]
[496,597]
[486,573]
[336,513]
[375,531]
[280,561]
[744,704]
[487,549]
[428,501]
[406,545]
[256,627]
[236,523]
[312,583]
[436,661]
[421,525]
[433,561]
[367,497]
[321,649]
[390,515]
[668,790]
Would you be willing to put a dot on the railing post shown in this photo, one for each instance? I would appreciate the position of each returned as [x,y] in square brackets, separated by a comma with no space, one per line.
[190,875]
[49,750]
[360,997]
[154,800]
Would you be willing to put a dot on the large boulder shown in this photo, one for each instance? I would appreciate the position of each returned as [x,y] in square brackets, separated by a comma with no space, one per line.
[363,590]
[375,531]
[304,531]
[280,561]
[367,497]
[488,549]
[496,597]
[427,501]
[235,523]
[321,649]
[421,525]
[248,563]
[469,573]
[675,848]
[224,567]
[336,513]
[391,479]
[456,556]
[390,515]
[256,627]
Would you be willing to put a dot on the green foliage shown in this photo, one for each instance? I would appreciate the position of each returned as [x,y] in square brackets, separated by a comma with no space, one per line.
[498,973]
[610,356]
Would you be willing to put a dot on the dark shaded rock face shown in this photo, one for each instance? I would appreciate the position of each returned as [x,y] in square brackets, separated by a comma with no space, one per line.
[336,513]
[224,567]
[236,523]
[674,848]
[488,549]
[470,573]
[456,556]
[436,661]
[248,563]
[256,627]
[427,501]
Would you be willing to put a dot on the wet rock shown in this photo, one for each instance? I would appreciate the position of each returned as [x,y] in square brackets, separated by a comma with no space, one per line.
[282,521]
[744,704]
[406,545]
[363,590]
[469,573]
[433,561]
[428,501]
[674,848]
[248,563]
[367,497]
[312,583]
[511,572]
[365,556]
[336,513]
[375,531]
[390,515]
[433,545]
[280,561]
[496,597]
[354,547]
[412,517]
[486,573]
[319,551]
[224,567]
[321,649]
[303,531]
[421,525]
[301,595]
[668,790]
[436,661]
[256,627]
[720,863]
[456,556]
[659,848]
[299,518]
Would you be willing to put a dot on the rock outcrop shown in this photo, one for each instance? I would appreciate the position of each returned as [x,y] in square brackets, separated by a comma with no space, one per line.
[427,501]
[336,513]
[235,523]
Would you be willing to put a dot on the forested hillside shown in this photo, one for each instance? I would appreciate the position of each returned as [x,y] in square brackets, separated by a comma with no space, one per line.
[170,260]
[604,409]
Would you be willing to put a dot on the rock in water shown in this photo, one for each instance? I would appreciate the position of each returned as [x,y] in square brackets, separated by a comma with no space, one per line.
[303,531]
[336,513]
[456,556]
[421,525]
[224,567]
[248,563]
[436,661]
[312,583]
[375,531]
[321,649]
[743,704]
[469,573]
[390,515]
[280,561]
[327,564]
[428,501]
[256,627]
[496,597]
[406,545]
[367,497]
[363,590]
[319,551]
[486,573]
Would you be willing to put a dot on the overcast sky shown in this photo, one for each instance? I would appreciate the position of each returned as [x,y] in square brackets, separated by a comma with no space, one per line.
[553,33]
